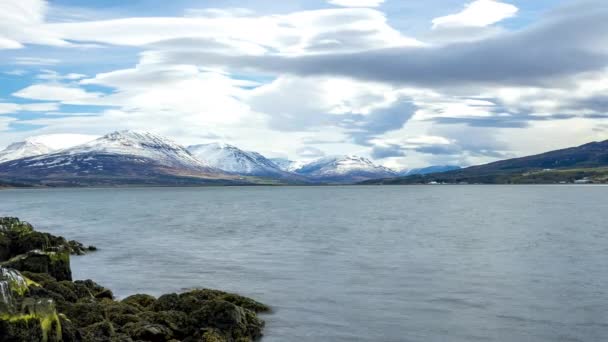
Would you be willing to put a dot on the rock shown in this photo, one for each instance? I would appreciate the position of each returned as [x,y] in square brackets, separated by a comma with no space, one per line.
[44,311]
[56,264]
[39,302]
[177,321]
[94,289]
[13,286]
[148,331]
[69,332]
[220,314]
[143,300]
[19,328]
[98,332]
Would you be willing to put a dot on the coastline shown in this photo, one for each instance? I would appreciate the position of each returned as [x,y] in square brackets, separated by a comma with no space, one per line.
[39,301]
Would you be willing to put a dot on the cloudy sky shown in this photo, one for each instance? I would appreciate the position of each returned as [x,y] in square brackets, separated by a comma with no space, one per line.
[407,83]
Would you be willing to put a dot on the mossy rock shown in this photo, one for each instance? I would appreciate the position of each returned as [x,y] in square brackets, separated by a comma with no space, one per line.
[143,300]
[19,329]
[102,331]
[93,289]
[146,331]
[40,278]
[85,314]
[207,294]
[167,302]
[48,306]
[56,264]
[221,315]
[5,247]
[69,331]
[177,321]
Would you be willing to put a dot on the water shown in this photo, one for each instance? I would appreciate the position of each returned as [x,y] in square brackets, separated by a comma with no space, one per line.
[444,263]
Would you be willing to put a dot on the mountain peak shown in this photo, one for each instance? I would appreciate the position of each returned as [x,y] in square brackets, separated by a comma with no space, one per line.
[345,168]
[141,144]
[24,149]
[232,159]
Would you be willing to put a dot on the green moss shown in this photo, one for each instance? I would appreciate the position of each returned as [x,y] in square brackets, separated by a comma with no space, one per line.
[49,324]
[44,313]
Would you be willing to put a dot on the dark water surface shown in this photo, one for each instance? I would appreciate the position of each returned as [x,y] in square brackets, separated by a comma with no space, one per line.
[427,263]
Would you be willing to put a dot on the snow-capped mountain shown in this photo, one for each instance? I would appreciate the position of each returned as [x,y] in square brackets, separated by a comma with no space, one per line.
[121,157]
[23,149]
[344,169]
[142,144]
[429,170]
[233,160]
[42,144]
[287,165]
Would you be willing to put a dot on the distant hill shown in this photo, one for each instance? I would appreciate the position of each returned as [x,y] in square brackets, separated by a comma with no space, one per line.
[428,170]
[566,165]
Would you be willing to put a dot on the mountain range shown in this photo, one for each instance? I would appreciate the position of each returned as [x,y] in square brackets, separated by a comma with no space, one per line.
[142,158]
[587,163]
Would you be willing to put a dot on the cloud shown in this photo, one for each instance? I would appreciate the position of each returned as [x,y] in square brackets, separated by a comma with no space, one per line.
[61,141]
[310,152]
[50,75]
[61,93]
[357,3]
[479,13]
[363,128]
[302,104]
[389,151]
[314,31]
[5,123]
[22,22]
[557,47]
[10,108]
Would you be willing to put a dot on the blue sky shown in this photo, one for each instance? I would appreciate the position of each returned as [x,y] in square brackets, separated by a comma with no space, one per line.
[406,83]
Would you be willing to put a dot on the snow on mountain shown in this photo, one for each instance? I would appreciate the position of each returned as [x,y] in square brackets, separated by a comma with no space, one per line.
[344,169]
[23,149]
[141,144]
[429,170]
[42,144]
[62,141]
[125,157]
[287,165]
[234,160]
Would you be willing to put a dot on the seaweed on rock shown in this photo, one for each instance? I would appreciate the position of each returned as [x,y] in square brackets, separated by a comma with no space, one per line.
[39,302]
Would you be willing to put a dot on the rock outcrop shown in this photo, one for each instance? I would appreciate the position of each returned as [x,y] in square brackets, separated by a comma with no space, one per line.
[40,302]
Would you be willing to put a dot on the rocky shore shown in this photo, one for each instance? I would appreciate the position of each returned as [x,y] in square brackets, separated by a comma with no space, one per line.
[40,302]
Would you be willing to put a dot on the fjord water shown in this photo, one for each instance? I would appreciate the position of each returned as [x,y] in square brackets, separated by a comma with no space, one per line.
[415,263]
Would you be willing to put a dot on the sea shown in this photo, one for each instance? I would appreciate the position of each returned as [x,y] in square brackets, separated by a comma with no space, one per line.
[354,263]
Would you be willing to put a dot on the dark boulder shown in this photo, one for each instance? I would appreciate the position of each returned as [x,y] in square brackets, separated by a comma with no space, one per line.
[56,264]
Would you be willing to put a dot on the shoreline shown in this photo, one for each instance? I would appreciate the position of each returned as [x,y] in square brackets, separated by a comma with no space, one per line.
[39,301]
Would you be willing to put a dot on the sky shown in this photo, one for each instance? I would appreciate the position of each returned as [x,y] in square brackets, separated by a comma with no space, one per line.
[405,83]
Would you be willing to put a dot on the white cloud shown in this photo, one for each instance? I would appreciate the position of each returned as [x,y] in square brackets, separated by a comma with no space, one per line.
[22,22]
[479,13]
[61,141]
[5,123]
[61,93]
[7,108]
[50,75]
[314,31]
[10,108]
[6,43]
[211,96]
[357,3]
